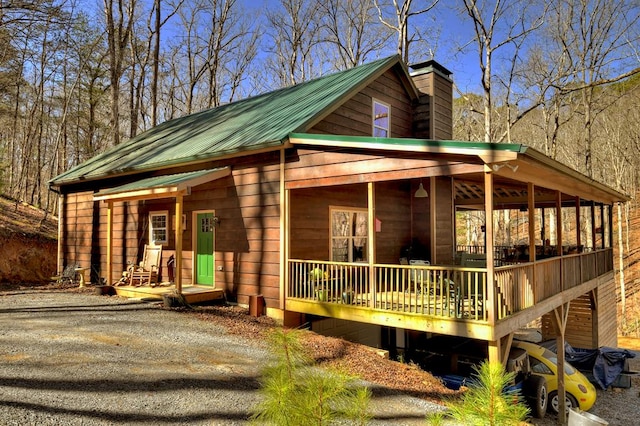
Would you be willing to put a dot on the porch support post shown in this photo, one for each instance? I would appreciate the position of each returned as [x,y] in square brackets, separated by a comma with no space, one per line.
[531,209]
[284,233]
[559,317]
[595,337]
[371,219]
[488,208]
[559,236]
[593,226]
[109,242]
[602,227]
[531,212]
[61,235]
[499,349]
[178,243]
[578,223]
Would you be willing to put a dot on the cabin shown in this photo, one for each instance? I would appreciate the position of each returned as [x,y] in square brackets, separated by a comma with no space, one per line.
[343,203]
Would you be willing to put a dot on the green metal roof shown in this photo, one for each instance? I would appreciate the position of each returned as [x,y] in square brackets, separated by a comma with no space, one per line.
[162,184]
[254,123]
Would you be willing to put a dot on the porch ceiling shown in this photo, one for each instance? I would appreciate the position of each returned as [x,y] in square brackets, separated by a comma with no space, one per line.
[469,193]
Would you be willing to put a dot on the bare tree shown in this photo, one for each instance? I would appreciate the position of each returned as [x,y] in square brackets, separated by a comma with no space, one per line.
[495,26]
[294,32]
[598,36]
[119,18]
[402,12]
[217,47]
[351,26]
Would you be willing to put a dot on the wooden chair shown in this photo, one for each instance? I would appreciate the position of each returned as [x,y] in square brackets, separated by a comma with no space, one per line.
[146,273]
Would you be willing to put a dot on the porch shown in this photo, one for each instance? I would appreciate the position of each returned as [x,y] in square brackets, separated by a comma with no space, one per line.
[191,293]
[446,299]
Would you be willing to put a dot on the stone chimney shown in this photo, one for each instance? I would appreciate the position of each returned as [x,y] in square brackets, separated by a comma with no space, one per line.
[433,112]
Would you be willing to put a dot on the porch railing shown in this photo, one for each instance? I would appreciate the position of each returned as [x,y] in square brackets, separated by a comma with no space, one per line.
[444,291]
[429,290]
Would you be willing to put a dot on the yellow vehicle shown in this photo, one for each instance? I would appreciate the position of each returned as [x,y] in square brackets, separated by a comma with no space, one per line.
[580,393]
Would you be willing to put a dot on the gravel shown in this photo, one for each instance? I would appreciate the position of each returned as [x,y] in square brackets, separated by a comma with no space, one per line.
[83,359]
[71,358]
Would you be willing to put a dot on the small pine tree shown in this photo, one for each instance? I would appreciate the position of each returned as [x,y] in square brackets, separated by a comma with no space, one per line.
[296,393]
[488,402]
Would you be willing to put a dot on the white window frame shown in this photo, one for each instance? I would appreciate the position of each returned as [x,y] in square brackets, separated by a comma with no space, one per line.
[166,228]
[376,126]
[351,239]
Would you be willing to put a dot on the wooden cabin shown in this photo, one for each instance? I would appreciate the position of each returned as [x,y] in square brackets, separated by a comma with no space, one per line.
[339,202]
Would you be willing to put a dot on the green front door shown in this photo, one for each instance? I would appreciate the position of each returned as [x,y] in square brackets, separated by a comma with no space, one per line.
[204,251]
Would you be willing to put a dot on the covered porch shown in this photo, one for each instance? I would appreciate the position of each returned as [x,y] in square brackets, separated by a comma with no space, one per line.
[404,261]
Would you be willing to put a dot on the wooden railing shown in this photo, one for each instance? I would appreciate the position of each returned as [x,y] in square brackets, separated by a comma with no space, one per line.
[444,291]
[429,290]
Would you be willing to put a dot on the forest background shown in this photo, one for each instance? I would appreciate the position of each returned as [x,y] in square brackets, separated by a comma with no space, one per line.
[562,76]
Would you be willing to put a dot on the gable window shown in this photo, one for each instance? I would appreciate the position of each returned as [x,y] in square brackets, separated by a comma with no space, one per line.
[158,227]
[349,234]
[381,119]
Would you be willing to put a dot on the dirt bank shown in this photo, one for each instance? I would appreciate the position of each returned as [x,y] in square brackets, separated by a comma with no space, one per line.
[28,246]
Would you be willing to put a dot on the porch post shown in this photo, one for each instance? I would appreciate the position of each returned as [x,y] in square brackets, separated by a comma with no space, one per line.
[531,211]
[593,225]
[559,236]
[532,221]
[109,242]
[578,223]
[371,219]
[61,222]
[488,208]
[178,244]
[559,318]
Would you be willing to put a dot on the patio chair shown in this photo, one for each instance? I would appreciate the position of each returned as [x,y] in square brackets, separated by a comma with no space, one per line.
[473,288]
[146,273]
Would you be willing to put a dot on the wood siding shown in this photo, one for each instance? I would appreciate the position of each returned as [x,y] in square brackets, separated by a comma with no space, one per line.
[588,327]
[247,241]
[354,117]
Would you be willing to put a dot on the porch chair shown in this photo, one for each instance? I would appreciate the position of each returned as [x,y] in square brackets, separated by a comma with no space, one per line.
[473,289]
[418,278]
[146,273]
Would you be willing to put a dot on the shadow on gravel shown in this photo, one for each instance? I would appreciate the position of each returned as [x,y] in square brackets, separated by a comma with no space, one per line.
[136,306]
[126,417]
[241,383]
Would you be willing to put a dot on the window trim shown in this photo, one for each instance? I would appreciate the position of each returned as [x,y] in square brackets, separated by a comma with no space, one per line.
[157,213]
[375,127]
[350,238]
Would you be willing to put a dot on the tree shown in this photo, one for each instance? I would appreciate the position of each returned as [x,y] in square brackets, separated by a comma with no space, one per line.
[294,32]
[297,393]
[351,27]
[402,12]
[497,26]
[119,19]
[598,36]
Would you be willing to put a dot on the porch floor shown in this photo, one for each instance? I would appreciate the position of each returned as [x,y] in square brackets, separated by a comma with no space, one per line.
[192,293]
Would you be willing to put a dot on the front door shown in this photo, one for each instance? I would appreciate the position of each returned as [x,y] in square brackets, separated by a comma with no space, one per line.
[204,248]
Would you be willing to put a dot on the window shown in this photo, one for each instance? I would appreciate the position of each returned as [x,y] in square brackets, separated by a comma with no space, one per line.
[381,119]
[158,227]
[349,234]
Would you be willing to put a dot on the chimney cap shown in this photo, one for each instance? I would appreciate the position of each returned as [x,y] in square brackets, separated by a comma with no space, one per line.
[430,66]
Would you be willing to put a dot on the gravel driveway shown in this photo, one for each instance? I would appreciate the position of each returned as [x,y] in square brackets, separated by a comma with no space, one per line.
[80,359]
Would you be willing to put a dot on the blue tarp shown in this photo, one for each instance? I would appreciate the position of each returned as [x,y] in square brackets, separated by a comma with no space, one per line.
[604,363]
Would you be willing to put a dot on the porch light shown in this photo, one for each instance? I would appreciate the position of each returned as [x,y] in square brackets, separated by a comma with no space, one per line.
[421,193]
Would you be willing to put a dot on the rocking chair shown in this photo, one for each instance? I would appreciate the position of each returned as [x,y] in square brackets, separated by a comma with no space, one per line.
[146,273]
